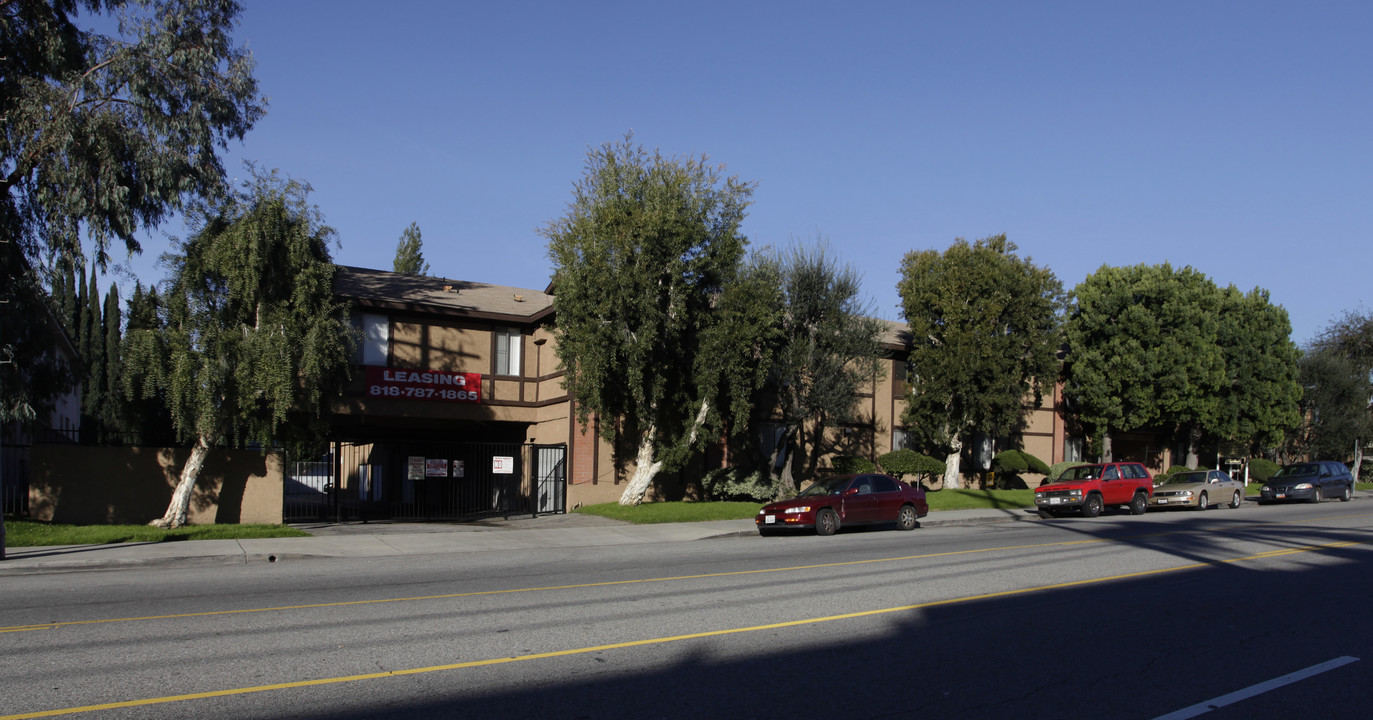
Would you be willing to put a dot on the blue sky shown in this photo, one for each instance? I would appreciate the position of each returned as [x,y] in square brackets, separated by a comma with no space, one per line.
[1229,136]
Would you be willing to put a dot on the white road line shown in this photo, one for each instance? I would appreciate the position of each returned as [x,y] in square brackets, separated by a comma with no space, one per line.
[1251,691]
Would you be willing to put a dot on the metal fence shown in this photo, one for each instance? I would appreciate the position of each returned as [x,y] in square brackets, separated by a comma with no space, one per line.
[398,481]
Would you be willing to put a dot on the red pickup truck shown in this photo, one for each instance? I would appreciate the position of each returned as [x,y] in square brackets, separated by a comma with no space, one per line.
[1090,488]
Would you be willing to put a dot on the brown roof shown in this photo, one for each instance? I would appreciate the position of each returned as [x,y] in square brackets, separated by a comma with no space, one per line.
[440,296]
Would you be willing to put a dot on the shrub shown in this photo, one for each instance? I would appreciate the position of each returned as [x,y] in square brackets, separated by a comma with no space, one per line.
[850,464]
[1261,469]
[736,484]
[1057,469]
[1018,461]
[1009,464]
[909,462]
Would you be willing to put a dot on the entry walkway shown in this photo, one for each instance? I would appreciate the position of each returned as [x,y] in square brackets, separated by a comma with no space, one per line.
[371,540]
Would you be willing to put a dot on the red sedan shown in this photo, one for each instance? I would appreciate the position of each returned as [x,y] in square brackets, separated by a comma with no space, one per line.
[867,499]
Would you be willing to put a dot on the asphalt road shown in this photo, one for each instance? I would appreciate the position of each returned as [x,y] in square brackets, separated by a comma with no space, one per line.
[1116,617]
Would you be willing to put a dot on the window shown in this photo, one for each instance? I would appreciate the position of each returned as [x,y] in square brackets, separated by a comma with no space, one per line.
[508,341]
[375,344]
[902,440]
[1072,449]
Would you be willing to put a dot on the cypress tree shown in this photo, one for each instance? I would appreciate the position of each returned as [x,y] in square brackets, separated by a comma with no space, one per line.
[112,413]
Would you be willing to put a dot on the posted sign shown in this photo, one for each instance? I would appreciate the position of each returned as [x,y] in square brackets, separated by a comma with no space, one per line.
[440,385]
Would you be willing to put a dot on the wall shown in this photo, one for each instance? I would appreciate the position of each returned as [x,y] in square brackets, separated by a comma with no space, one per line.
[90,485]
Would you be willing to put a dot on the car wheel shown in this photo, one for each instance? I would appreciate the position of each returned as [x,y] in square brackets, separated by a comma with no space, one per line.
[1203,502]
[1315,495]
[826,522]
[1091,507]
[1138,504]
[905,518]
[1347,494]
[1047,514]
[1235,500]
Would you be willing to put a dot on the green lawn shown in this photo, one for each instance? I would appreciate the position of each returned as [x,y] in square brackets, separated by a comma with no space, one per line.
[27,533]
[672,512]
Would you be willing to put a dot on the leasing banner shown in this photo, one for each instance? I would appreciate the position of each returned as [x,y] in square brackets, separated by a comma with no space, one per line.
[424,384]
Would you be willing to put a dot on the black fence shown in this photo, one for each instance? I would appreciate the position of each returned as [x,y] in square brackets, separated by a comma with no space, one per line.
[399,481]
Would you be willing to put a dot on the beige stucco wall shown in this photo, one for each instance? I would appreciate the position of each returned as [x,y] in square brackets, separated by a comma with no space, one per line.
[89,485]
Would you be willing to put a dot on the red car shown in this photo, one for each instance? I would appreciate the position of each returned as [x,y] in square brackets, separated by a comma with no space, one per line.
[868,499]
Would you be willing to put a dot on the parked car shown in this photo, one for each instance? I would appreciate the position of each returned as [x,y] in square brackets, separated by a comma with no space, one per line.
[1309,481]
[1197,489]
[1090,488]
[841,500]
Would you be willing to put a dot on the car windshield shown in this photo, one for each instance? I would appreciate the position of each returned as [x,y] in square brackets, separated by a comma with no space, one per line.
[1184,478]
[1300,470]
[1081,472]
[832,486]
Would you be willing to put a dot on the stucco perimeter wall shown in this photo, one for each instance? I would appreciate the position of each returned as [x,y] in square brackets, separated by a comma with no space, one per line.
[86,485]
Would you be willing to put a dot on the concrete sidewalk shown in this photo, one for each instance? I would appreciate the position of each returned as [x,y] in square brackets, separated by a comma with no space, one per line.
[388,539]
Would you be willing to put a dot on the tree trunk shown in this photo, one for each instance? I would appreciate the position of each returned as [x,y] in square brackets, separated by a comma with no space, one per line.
[181,499]
[952,481]
[1358,463]
[786,484]
[645,468]
[1193,457]
[1106,449]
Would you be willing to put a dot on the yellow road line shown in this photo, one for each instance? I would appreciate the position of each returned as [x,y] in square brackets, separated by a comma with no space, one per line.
[449,596]
[651,641]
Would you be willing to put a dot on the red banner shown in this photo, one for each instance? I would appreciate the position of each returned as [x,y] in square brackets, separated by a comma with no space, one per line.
[439,385]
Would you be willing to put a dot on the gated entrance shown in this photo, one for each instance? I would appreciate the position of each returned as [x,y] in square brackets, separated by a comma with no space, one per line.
[427,481]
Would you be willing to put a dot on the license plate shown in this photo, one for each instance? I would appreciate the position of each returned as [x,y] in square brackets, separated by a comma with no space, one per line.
[1282,495]
[1055,501]
[1163,501]
[769,519]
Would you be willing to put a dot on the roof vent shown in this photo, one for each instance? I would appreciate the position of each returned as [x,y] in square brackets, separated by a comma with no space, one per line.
[519,298]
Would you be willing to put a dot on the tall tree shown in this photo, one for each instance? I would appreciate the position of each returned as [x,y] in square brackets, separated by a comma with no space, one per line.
[109,131]
[1144,351]
[1260,396]
[93,345]
[827,354]
[984,328]
[112,384]
[647,244]
[1334,407]
[409,258]
[251,342]
[1351,337]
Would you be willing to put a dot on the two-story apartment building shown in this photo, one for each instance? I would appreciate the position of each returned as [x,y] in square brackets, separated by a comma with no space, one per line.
[457,408]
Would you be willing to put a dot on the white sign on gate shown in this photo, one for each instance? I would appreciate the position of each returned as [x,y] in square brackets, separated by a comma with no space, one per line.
[503,465]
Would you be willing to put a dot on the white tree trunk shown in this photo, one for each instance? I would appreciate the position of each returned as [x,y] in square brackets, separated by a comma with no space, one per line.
[645,468]
[180,505]
[1358,457]
[951,463]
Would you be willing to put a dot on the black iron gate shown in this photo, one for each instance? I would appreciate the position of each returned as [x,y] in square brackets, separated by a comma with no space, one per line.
[427,481]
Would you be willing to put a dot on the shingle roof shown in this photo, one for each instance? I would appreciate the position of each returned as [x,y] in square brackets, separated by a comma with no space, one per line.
[418,293]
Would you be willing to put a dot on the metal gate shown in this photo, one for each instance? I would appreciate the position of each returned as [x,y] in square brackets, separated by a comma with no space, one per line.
[427,481]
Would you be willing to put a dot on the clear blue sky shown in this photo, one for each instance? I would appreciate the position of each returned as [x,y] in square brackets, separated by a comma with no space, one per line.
[1230,136]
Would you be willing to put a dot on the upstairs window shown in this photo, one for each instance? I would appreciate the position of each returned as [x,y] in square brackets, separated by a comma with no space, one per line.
[508,342]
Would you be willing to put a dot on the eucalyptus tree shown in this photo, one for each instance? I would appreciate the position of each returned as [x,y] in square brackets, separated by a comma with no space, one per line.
[250,341]
[984,326]
[827,354]
[647,245]
[409,253]
[107,130]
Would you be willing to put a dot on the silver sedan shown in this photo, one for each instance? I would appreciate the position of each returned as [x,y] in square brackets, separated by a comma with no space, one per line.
[1198,489]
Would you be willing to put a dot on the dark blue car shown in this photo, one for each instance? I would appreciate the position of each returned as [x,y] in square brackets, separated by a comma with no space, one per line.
[1309,482]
